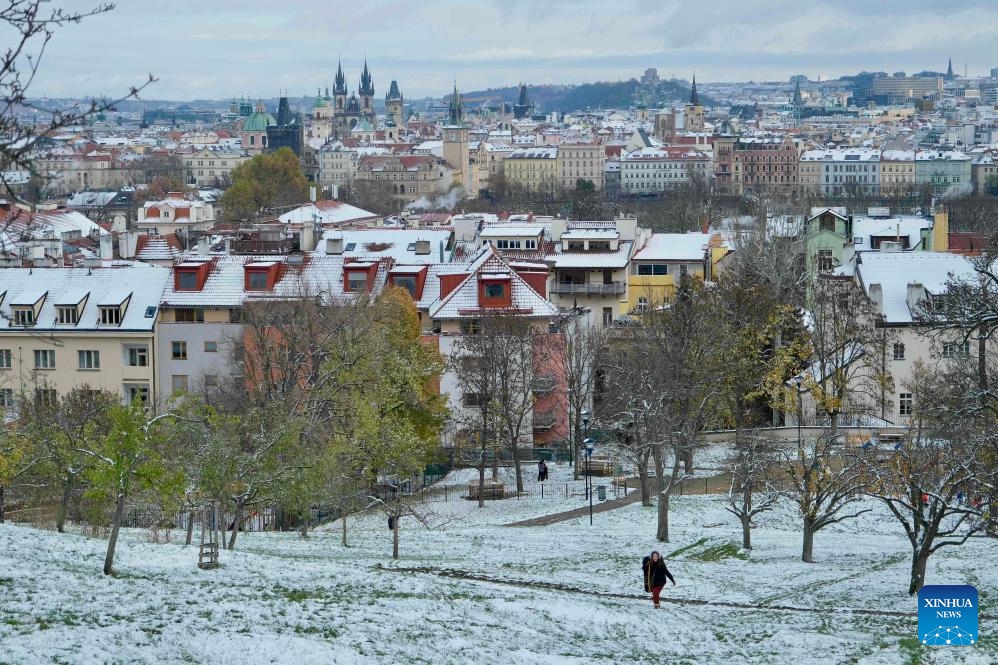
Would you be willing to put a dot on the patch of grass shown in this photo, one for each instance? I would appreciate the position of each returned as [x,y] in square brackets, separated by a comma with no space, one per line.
[722,551]
[912,649]
[683,550]
[6,581]
[328,633]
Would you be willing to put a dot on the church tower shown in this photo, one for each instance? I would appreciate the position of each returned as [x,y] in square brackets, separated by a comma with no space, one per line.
[339,90]
[366,92]
[694,112]
[523,107]
[456,142]
[394,103]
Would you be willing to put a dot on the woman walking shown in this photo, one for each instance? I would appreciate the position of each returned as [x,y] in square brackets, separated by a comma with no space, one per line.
[656,574]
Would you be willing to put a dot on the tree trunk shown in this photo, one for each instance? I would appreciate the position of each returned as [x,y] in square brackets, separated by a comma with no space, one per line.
[919,560]
[2,516]
[662,533]
[222,523]
[236,518]
[119,514]
[344,529]
[807,552]
[481,483]
[303,532]
[516,465]
[688,460]
[190,526]
[395,535]
[60,513]
[746,531]
[645,489]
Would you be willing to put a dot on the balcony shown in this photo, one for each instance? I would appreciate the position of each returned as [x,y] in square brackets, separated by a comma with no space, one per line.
[544,420]
[589,289]
[543,385]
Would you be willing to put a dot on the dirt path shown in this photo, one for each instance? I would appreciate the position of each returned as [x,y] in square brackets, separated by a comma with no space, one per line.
[601,507]
[564,588]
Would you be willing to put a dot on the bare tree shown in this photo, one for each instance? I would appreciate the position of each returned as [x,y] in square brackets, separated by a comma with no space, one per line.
[932,479]
[582,364]
[825,485]
[32,26]
[752,491]
[849,372]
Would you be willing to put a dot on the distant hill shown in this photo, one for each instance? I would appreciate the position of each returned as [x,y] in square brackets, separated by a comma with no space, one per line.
[569,98]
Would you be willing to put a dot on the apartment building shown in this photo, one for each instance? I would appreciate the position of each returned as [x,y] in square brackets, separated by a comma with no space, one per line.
[580,161]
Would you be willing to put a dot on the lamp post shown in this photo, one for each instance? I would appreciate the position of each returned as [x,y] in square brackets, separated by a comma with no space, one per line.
[800,411]
[584,417]
[588,443]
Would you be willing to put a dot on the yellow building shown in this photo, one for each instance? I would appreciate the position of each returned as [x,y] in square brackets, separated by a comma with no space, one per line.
[583,161]
[535,169]
[655,268]
[70,327]
[897,170]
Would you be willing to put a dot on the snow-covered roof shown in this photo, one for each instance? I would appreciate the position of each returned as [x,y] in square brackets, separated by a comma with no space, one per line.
[893,271]
[674,247]
[909,227]
[590,234]
[511,231]
[607,259]
[463,302]
[326,212]
[225,285]
[141,286]
[386,242]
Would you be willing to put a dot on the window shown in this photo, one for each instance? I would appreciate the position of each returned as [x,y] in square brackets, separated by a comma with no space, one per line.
[187,280]
[825,259]
[210,346]
[905,404]
[137,391]
[23,316]
[642,304]
[956,349]
[256,280]
[649,269]
[858,240]
[471,327]
[898,351]
[356,281]
[6,361]
[406,282]
[495,290]
[110,316]
[210,381]
[46,396]
[472,399]
[89,359]
[45,359]
[188,315]
[68,315]
[7,397]
[178,350]
[235,315]
[607,316]
[138,356]
[179,383]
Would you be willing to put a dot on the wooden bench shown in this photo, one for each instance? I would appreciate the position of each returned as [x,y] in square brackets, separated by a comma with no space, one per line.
[491,490]
[598,466]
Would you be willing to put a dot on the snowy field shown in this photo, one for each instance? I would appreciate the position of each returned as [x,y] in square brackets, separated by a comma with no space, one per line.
[566,593]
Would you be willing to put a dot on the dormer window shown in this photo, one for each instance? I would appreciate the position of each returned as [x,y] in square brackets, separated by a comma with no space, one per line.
[356,280]
[496,290]
[407,282]
[187,280]
[23,316]
[256,280]
[68,315]
[110,316]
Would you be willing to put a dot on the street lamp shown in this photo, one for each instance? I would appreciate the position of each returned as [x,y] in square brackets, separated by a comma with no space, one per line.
[588,443]
[584,417]
[800,411]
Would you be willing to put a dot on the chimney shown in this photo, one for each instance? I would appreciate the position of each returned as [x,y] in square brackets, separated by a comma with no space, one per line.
[106,247]
[422,247]
[877,296]
[203,245]
[940,231]
[441,251]
[914,297]
[306,237]
[228,246]
[334,245]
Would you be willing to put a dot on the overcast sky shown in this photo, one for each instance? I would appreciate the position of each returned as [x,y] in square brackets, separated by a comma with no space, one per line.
[218,49]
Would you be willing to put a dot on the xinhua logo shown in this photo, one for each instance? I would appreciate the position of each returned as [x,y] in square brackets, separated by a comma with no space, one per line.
[947,615]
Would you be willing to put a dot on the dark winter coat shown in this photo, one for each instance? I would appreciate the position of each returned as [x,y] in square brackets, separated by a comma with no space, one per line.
[655,573]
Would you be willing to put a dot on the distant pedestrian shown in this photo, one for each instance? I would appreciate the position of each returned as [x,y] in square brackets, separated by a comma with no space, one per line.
[925,498]
[542,471]
[959,498]
[655,574]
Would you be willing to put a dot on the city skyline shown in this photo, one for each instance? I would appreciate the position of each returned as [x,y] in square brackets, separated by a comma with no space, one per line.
[249,48]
